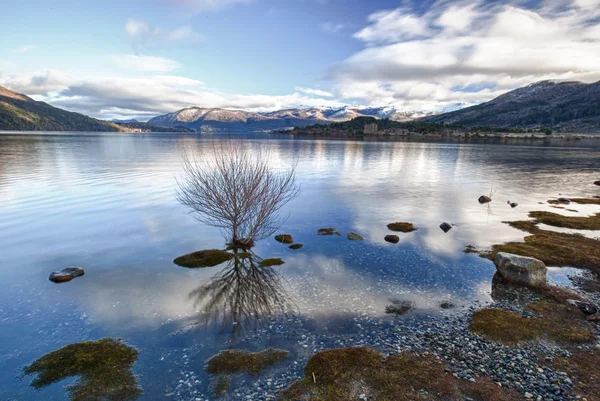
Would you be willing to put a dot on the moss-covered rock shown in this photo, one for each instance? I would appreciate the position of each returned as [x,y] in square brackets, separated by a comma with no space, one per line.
[344,374]
[207,258]
[403,227]
[558,322]
[239,361]
[271,262]
[284,238]
[103,367]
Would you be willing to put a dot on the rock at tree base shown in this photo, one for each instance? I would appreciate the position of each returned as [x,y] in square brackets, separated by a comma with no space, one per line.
[394,239]
[355,237]
[521,269]
[66,275]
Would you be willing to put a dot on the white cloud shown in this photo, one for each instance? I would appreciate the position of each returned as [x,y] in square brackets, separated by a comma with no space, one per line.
[315,92]
[465,51]
[332,27]
[36,83]
[207,5]
[142,33]
[145,63]
[26,48]
[117,97]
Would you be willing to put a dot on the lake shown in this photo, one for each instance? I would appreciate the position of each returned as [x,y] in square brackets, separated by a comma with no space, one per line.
[106,202]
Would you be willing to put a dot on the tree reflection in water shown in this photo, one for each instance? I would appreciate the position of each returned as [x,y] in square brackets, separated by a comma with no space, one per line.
[243,296]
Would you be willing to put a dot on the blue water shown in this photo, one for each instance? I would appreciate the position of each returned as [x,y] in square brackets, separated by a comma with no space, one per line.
[106,202]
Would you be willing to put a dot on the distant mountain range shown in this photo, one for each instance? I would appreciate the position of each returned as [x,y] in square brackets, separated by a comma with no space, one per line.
[211,120]
[21,113]
[562,106]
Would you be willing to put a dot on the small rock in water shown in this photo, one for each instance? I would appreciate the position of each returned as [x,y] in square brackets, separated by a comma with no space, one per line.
[355,237]
[284,238]
[327,231]
[564,200]
[484,199]
[295,246]
[66,275]
[394,239]
[445,227]
[597,183]
[512,204]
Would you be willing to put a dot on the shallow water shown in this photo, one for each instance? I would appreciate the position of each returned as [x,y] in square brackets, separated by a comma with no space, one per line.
[107,203]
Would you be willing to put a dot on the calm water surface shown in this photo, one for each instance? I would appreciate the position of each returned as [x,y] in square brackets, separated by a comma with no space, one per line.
[107,203]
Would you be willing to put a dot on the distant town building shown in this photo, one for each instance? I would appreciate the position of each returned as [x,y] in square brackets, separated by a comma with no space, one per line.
[370,129]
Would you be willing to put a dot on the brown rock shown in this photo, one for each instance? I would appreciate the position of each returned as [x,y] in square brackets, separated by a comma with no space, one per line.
[394,239]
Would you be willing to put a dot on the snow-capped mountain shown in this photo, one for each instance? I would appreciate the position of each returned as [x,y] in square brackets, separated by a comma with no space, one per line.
[203,119]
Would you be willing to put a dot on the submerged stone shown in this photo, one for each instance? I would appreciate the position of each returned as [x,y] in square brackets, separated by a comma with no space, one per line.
[327,231]
[284,238]
[295,246]
[207,258]
[394,239]
[597,183]
[66,275]
[398,307]
[403,227]
[355,237]
[521,269]
[484,199]
[103,367]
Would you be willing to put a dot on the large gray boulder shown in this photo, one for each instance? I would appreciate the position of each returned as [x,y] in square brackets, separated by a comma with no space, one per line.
[521,269]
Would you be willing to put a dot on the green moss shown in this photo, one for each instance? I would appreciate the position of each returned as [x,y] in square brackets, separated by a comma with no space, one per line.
[296,246]
[207,258]
[343,374]
[574,222]
[239,361]
[553,248]
[402,227]
[327,231]
[556,321]
[284,238]
[103,367]
[586,380]
[271,262]
[223,383]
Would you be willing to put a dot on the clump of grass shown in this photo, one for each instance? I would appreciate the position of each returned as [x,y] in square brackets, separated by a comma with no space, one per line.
[403,227]
[559,322]
[296,246]
[327,231]
[207,258]
[103,367]
[581,369]
[271,262]
[574,222]
[399,307]
[343,374]
[284,238]
[553,248]
[470,249]
[239,361]
[587,201]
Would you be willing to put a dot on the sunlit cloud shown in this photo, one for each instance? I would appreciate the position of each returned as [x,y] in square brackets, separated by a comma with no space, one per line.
[145,63]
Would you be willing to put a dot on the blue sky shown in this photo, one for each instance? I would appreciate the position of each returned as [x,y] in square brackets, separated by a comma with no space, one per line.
[115,59]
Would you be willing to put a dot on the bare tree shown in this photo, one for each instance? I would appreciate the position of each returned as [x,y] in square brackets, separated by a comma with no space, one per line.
[238,192]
